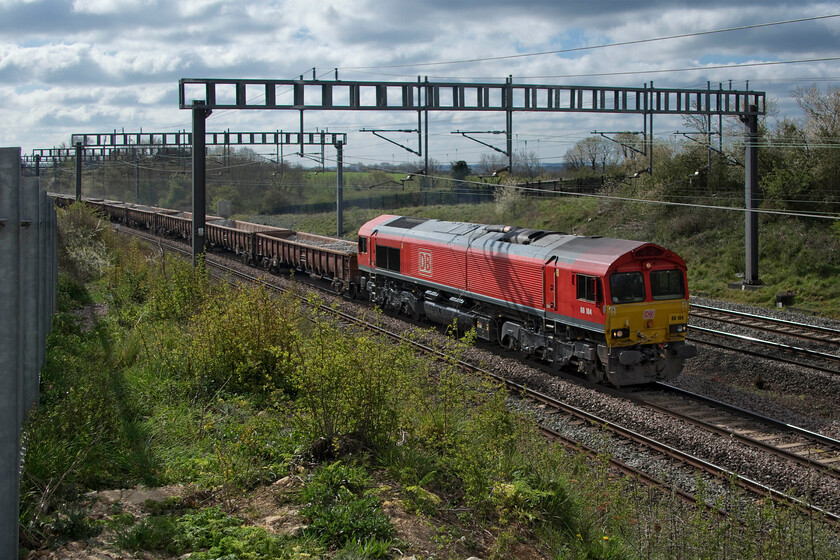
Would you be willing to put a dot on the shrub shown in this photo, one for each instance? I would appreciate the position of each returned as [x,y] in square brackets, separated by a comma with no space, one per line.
[245,340]
[340,510]
[206,534]
[350,385]
[177,291]
[85,238]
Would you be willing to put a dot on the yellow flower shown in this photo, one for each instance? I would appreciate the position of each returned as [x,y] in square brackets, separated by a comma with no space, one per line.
[606,538]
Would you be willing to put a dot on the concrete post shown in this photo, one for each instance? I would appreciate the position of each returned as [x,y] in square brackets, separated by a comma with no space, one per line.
[44,271]
[29,296]
[10,351]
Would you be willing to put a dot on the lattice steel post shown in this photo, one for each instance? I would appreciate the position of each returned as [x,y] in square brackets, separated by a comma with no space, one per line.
[339,204]
[79,152]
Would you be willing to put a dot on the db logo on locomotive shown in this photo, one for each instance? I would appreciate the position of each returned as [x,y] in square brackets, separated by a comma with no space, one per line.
[424,263]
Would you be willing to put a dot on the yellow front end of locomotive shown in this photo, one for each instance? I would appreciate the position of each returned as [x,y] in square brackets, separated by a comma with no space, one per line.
[648,322]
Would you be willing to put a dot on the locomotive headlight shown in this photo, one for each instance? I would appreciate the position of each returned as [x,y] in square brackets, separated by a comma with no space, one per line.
[620,333]
[680,328]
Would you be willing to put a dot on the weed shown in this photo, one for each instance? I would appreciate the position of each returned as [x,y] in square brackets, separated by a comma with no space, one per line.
[373,548]
[207,534]
[349,386]
[245,341]
[85,241]
[339,508]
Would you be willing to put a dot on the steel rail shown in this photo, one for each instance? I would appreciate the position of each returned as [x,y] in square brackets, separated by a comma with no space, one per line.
[772,321]
[743,438]
[815,436]
[722,334]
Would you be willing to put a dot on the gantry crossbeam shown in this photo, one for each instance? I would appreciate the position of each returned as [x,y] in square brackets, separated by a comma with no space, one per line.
[184,139]
[445,96]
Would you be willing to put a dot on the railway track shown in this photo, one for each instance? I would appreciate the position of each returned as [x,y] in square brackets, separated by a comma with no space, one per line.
[823,353]
[804,447]
[574,414]
[774,325]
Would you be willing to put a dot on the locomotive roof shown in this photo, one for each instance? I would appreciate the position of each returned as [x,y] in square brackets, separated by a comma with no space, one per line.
[596,253]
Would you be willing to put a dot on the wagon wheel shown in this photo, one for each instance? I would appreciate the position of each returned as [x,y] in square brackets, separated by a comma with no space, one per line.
[266,263]
[246,257]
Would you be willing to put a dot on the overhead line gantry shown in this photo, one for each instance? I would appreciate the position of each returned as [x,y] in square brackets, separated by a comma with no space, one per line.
[202,96]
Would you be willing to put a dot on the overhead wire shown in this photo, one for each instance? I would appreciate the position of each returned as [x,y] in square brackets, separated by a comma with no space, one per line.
[671,202]
[626,43]
[592,47]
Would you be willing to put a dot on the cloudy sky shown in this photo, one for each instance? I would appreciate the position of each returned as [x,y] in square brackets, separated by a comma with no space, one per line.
[99,65]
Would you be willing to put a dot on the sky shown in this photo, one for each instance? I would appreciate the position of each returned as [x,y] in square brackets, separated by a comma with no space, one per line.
[88,66]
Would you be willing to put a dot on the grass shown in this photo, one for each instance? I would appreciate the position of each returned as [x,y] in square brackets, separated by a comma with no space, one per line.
[165,389]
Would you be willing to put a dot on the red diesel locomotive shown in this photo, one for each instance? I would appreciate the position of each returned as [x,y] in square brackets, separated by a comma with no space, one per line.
[616,310]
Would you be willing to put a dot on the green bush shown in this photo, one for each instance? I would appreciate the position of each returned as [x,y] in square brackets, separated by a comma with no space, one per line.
[177,291]
[340,510]
[85,240]
[244,339]
[350,386]
[206,534]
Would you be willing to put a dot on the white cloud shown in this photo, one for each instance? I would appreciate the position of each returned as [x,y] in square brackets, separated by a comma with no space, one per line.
[116,63]
[100,7]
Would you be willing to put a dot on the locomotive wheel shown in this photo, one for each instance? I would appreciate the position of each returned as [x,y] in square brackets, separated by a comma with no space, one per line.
[511,343]
[592,372]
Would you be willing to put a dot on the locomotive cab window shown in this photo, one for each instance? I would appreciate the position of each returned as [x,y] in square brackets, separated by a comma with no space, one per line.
[388,258]
[667,284]
[587,287]
[363,242]
[627,287]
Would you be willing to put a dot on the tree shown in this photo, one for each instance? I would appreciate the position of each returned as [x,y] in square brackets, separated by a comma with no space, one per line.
[822,112]
[822,130]
[459,170]
[526,164]
[592,154]
[489,163]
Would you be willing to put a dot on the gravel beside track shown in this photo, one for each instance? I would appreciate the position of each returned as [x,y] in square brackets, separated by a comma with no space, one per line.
[797,395]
